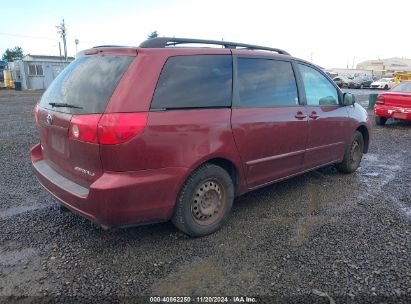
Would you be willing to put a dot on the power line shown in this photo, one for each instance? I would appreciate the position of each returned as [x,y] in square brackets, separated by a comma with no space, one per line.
[27,36]
[46,38]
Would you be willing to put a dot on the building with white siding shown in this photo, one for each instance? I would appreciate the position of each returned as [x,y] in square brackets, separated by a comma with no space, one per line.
[36,72]
[386,67]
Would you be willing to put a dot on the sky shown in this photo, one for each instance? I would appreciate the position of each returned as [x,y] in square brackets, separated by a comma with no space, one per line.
[332,34]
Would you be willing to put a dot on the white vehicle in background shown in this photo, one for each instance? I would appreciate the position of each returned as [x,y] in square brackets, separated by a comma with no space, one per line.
[383,83]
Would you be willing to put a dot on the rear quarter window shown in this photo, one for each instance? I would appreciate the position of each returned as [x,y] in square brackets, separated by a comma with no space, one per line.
[196,81]
[87,83]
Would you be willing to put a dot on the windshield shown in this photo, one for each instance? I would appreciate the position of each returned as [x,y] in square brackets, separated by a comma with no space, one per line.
[86,85]
[403,87]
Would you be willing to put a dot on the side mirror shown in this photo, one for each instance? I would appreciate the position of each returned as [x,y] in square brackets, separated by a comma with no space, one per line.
[348,99]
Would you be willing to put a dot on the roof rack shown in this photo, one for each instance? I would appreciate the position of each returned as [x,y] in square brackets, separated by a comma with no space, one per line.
[108,45]
[162,42]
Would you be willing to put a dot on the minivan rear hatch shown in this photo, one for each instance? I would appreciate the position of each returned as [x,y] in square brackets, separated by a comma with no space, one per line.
[69,111]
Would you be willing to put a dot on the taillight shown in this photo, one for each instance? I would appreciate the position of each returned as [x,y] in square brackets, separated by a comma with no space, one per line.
[36,113]
[84,127]
[380,99]
[118,128]
[107,129]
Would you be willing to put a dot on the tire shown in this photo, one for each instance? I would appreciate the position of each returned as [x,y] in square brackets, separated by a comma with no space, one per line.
[380,121]
[204,201]
[353,154]
[386,87]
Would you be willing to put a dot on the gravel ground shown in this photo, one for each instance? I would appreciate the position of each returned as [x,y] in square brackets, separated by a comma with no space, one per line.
[319,237]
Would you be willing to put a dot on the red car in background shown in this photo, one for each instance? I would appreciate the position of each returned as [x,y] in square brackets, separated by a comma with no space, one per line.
[396,103]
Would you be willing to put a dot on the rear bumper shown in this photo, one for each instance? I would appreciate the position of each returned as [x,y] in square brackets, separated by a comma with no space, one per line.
[392,112]
[116,198]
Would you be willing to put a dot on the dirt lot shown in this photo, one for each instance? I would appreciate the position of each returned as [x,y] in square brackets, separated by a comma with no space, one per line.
[319,235]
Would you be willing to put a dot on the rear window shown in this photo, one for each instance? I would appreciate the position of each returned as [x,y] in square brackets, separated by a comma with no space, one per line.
[404,87]
[86,84]
[199,81]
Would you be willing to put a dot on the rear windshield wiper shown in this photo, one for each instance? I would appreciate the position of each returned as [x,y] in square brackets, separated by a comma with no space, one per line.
[63,105]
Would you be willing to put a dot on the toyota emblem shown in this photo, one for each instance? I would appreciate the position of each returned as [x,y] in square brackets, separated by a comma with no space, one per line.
[49,119]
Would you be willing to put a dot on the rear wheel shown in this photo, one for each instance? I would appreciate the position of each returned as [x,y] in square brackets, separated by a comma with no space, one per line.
[204,202]
[353,154]
[380,121]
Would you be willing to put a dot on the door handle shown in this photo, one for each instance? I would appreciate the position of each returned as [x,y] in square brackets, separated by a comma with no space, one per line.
[314,115]
[300,115]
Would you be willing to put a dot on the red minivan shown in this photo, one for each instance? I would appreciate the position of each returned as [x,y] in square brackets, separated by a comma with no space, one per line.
[159,132]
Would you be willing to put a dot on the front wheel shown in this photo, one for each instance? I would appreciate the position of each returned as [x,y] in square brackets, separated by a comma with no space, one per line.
[353,154]
[386,87]
[205,201]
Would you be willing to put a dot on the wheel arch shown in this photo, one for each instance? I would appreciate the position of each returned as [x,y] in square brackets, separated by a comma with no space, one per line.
[228,165]
[231,169]
[365,135]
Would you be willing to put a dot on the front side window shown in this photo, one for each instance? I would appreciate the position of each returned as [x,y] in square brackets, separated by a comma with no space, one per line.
[318,90]
[199,81]
[266,83]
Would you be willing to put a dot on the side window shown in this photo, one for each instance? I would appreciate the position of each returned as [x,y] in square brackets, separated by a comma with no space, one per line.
[318,90]
[266,83]
[194,82]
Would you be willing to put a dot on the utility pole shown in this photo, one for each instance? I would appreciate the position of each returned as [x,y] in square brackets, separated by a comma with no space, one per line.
[63,32]
[76,42]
